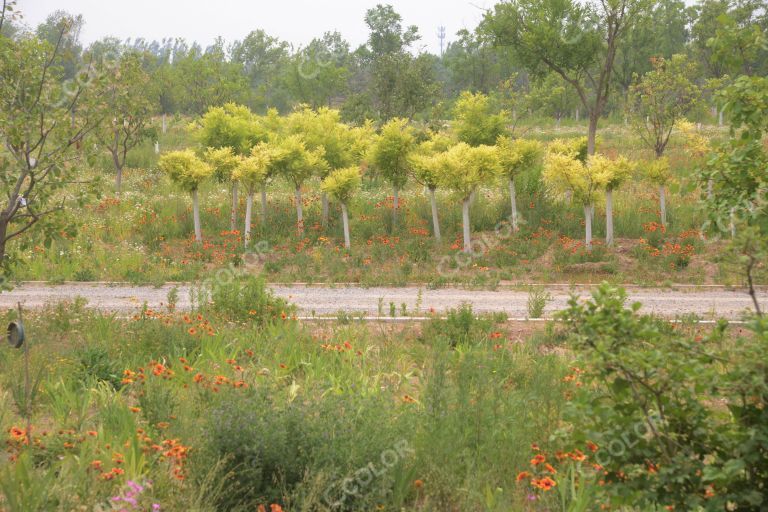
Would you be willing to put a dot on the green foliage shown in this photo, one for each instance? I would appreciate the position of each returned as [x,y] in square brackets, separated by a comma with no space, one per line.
[651,397]
[247,298]
[291,159]
[229,126]
[658,171]
[185,169]
[661,98]
[390,151]
[475,123]
[342,184]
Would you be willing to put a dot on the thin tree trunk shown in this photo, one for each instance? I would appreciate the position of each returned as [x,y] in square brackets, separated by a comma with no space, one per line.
[3,233]
[732,223]
[592,133]
[324,200]
[118,179]
[513,200]
[196,217]
[264,205]
[233,212]
[165,126]
[248,213]
[395,206]
[465,224]
[588,226]
[435,220]
[663,205]
[345,220]
[299,212]
[720,118]
[609,217]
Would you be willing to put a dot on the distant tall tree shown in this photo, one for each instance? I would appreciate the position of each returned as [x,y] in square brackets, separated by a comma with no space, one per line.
[125,96]
[576,40]
[319,73]
[263,59]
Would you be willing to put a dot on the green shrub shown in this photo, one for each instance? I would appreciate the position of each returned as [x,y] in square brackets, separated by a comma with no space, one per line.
[247,298]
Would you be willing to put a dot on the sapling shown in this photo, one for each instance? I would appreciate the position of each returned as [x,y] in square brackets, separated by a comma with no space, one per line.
[253,171]
[515,157]
[468,168]
[188,172]
[341,186]
[389,157]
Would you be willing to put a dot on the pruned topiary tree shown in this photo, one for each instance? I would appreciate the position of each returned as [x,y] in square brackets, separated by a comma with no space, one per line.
[253,171]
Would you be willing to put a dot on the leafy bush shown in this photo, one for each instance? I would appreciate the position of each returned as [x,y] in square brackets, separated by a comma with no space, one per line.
[680,420]
[247,298]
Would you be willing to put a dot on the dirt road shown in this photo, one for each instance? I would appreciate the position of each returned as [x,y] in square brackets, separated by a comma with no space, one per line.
[708,303]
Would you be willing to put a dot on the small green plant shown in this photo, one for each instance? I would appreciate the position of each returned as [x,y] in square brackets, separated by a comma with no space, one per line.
[538,297]
[247,298]
[172,299]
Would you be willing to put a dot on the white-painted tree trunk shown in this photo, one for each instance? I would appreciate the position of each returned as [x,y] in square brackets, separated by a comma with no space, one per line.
[233,211]
[720,118]
[157,148]
[435,220]
[345,221]
[395,206]
[324,199]
[299,212]
[465,224]
[248,213]
[196,217]
[165,125]
[663,205]
[588,226]
[513,201]
[732,224]
[263,205]
[609,217]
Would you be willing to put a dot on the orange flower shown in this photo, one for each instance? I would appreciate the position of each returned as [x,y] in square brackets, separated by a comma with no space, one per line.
[578,456]
[135,409]
[96,464]
[418,484]
[275,508]
[538,459]
[17,433]
[522,476]
[592,446]
[192,331]
[545,484]
[550,468]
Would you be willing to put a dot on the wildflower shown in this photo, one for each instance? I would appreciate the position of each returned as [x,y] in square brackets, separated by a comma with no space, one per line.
[418,484]
[522,476]
[538,459]
[275,508]
[17,433]
[550,468]
[545,484]
[592,446]
[96,464]
[578,456]
[192,331]
[135,409]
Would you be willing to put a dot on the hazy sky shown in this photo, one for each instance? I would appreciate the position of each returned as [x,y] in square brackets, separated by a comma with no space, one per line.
[295,21]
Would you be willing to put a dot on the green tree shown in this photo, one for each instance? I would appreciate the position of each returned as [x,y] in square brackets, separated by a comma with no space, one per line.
[516,156]
[662,98]
[389,157]
[38,134]
[188,172]
[341,184]
[576,40]
[124,96]
[468,168]
[320,72]
[475,121]
[263,61]
[611,173]
[660,174]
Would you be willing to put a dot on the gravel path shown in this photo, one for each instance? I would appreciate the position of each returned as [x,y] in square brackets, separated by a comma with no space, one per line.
[708,303]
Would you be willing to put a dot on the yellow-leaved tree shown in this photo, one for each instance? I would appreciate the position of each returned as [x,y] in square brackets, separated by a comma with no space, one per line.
[427,163]
[515,157]
[659,173]
[341,185]
[253,171]
[188,172]
[468,168]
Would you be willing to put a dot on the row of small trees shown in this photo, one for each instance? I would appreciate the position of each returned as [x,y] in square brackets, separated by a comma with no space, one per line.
[250,151]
